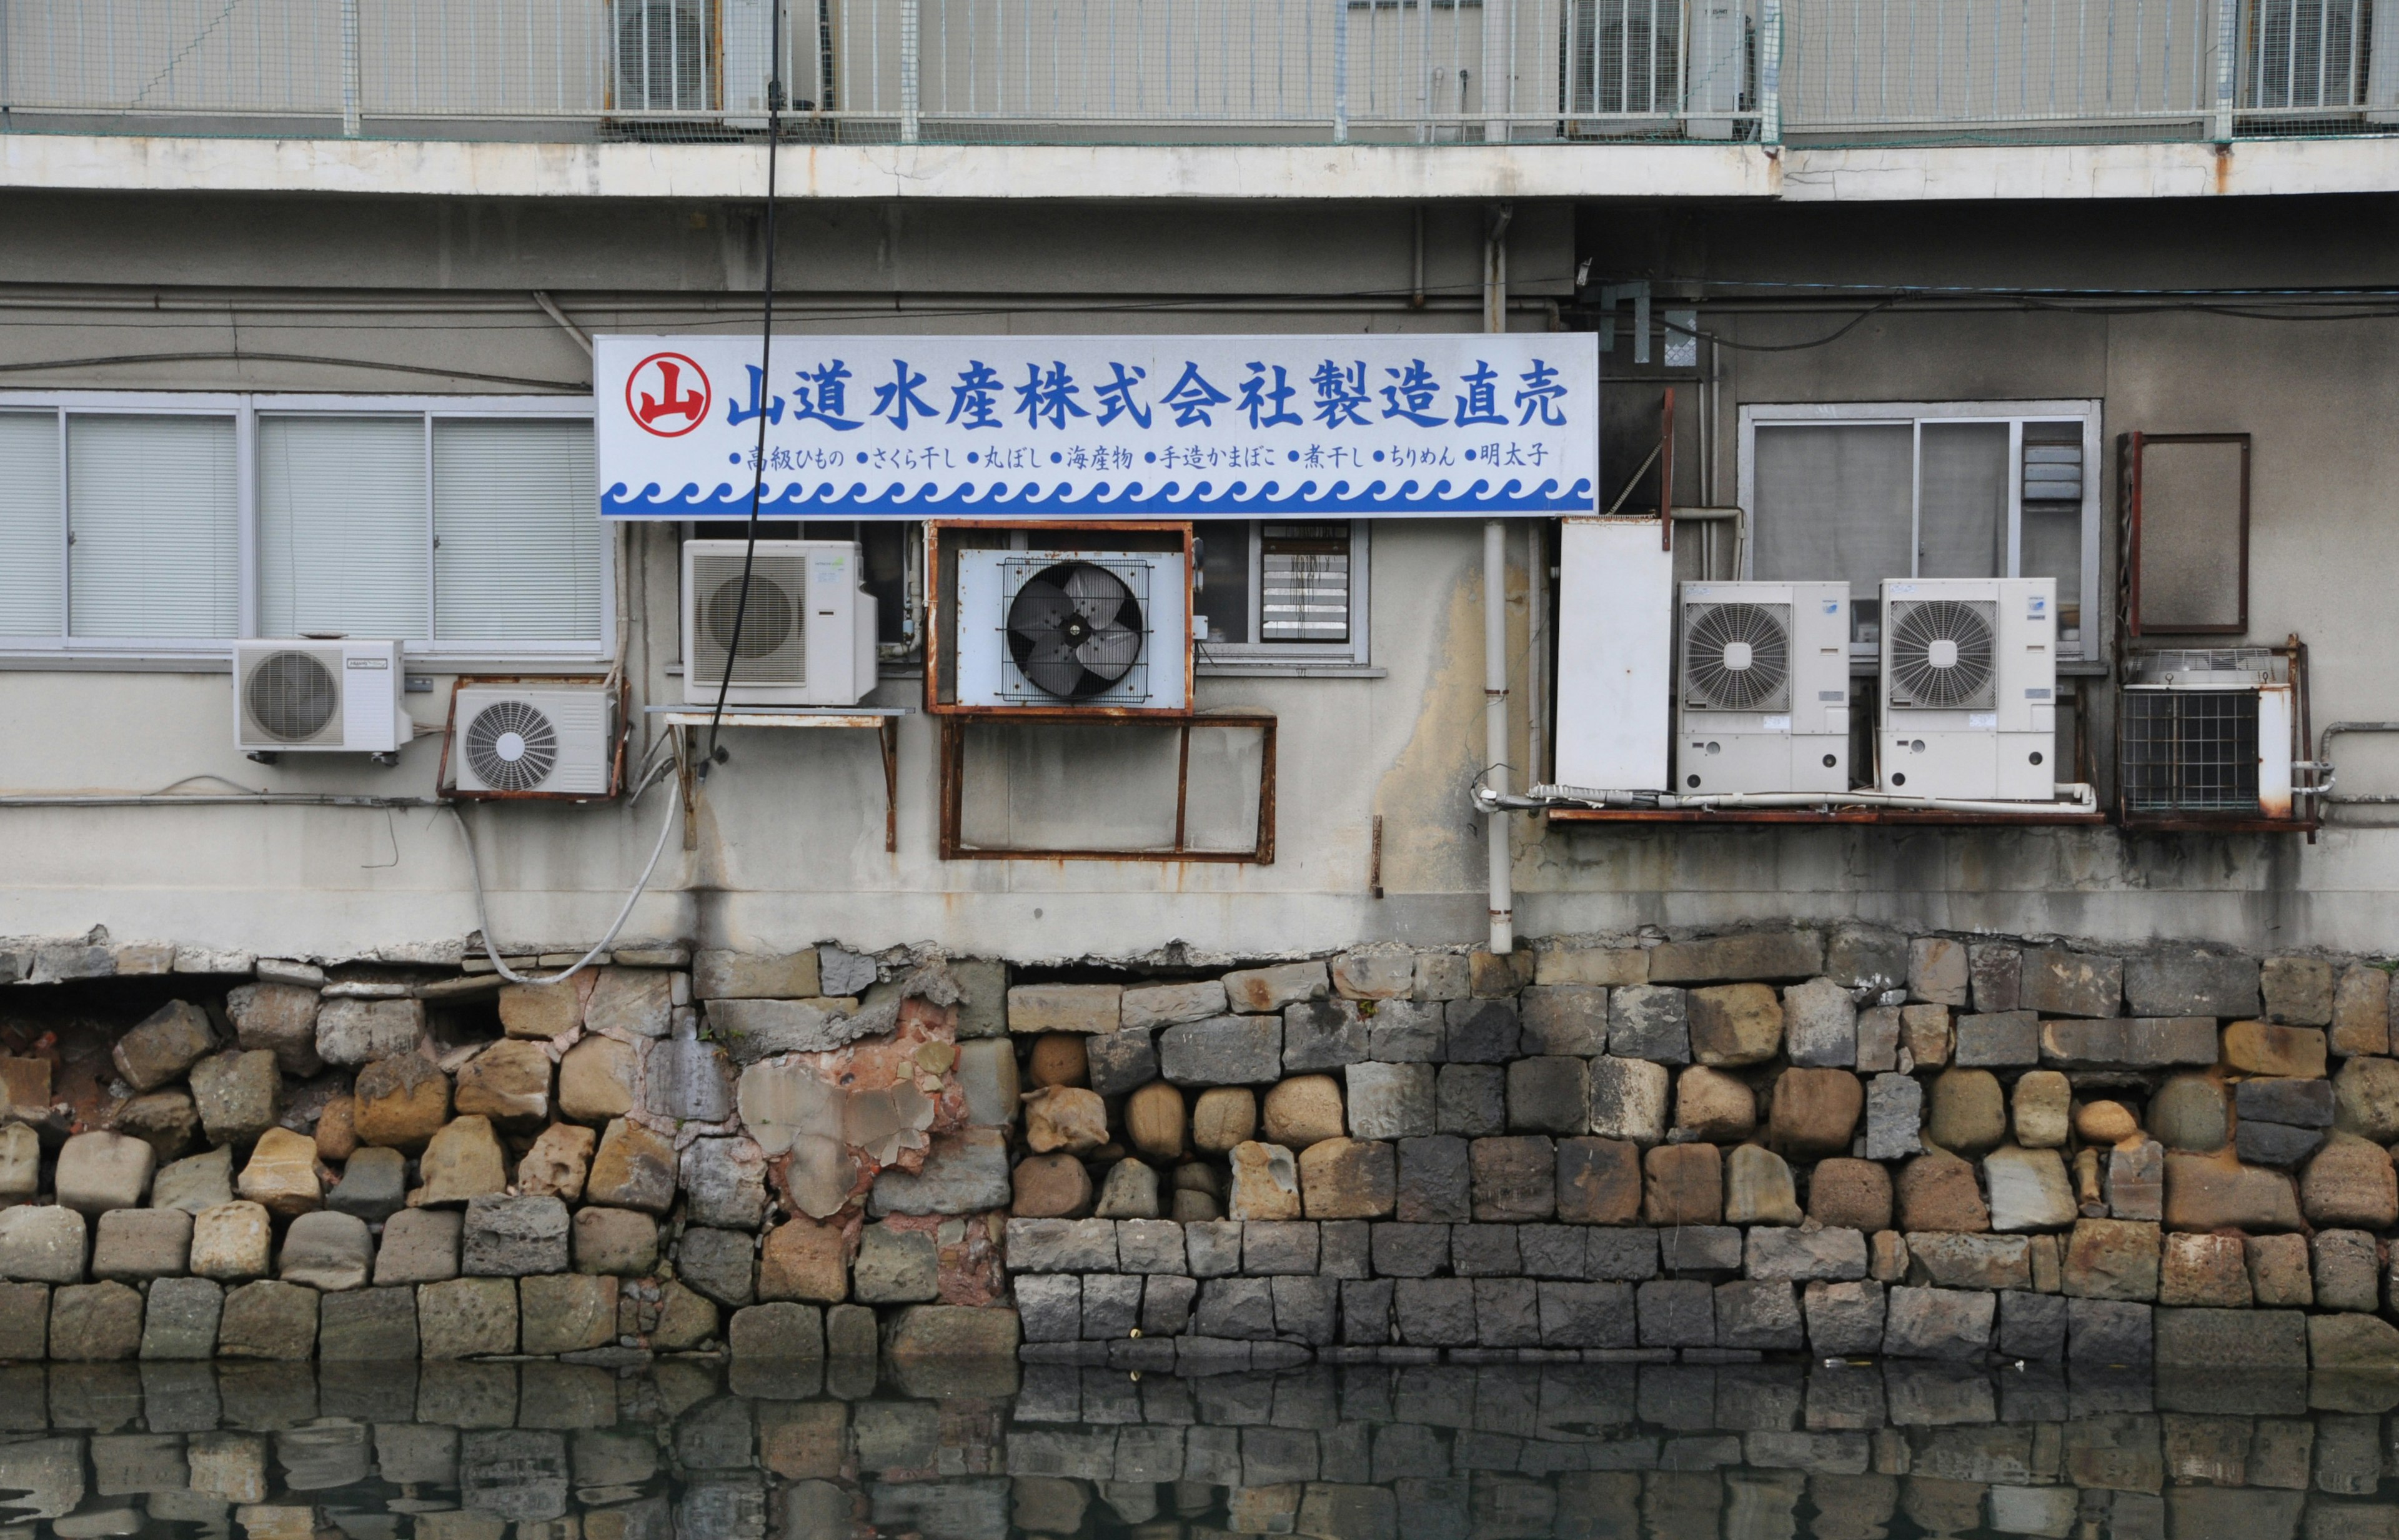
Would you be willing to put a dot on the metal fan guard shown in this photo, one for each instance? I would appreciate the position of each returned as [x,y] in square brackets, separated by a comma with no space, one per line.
[532,766]
[1765,684]
[1092,679]
[766,623]
[1970,682]
[292,695]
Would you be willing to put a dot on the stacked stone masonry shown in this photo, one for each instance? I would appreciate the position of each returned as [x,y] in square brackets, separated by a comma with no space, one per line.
[1842,1143]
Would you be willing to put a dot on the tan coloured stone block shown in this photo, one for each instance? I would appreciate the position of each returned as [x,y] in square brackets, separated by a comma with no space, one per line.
[1223,1117]
[2360,1011]
[2204,1270]
[596,1080]
[1155,1121]
[402,1103]
[1064,1007]
[1304,1109]
[509,1083]
[2254,1048]
[558,1163]
[1683,1185]
[232,1242]
[806,1261]
[634,1168]
[1342,1178]
[463,1161]
[542,1011]
[281,1174]
[1265,1182]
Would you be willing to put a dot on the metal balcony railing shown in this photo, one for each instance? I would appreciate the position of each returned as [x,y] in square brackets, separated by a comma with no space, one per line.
[1445,72]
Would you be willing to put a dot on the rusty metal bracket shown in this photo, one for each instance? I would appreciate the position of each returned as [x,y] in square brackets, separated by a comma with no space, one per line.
[883,720]
[953,726]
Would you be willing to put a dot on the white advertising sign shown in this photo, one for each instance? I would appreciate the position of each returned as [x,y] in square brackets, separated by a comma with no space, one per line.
[1111,427]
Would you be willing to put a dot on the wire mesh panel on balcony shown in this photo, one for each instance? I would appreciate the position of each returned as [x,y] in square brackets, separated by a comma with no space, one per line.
[1430,71]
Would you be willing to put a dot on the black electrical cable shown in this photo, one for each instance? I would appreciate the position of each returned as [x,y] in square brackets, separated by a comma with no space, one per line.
[765,349]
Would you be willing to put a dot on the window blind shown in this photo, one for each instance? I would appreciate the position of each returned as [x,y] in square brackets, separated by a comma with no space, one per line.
[32,532]
[1833,501]
[516,525]
[1304,582]
[343,536]
[153,513]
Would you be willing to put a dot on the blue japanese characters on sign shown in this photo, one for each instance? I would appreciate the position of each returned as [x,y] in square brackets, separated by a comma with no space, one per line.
[911,427]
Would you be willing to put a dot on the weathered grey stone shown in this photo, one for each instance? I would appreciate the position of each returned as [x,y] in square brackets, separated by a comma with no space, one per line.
[1307,1309]
[2275,1144]
[2107,1332]
[725,1182]
[1214,1248]
[1944,1260]
[1435,1312]
[1390,1101]
[964,1173]
[1999,1040]
[1701,1249]
[1480,1032]
[2028,1189]
[352,1032]
[1758,1188]
[95,1323]
[2346,1272]
[1650,1021]
[720,975]
[268,1319]
[42,1244]
[1995,972]
[1323,1035]
[180,1318]
[2232,1339]
[1257,991]
[1123,1061]
[1405,1031]
[721,1264]
[1676,1313]
[1435,1181]
[2297,991]
[1050,1307]
[420,1246]
[195,1182]
[1820,1023]
[368,1326]
[754,1030]
[2058,982]
[636,1000]
[238,1095]
[467,1317]
[1937,971]
[1223,1050]
[135,1245]
[1484,1250]
[1061,1246]
[99,1172]
[1588,1315]
[1802,1255]
[1845,1317]
[1630,1100]
[2189,982]
[1770,954]
[2187,1112]
[1165,1005]
[1564,1019]
[1867,958]
[1471,1099]
[1627,1255]
[1237,1309]
[2033,1326]
[1758,1315]
[1894,1117]
[1938,1323]
[164,1048]
[2140,1042]
[329,1252]
[510,1237]
[1130,1192]
[2300,1104]
[1879,1032]
[896,1267]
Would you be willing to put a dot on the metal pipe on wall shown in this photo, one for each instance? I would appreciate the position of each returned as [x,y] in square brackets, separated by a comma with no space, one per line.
[1494,626]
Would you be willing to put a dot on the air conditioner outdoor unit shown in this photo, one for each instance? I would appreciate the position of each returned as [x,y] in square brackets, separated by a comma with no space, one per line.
[665,56]
[551,738]
[807,634]
[1073,630]
[318,698]
[1969,688]
[2205,730]
[1764,703]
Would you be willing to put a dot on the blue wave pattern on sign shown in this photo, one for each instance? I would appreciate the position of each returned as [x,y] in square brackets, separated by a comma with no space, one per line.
[1204,498]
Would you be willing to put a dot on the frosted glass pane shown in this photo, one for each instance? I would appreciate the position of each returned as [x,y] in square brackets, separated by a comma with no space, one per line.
[33,534]
[153,505]
[1833,501]
[343,528]
[1963,517]
[516,513]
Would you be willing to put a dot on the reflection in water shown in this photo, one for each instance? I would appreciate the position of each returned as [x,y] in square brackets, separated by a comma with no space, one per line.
[543,1450]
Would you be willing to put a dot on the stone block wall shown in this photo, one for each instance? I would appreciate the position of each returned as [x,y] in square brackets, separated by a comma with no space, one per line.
[1845,1142]
[211,1154]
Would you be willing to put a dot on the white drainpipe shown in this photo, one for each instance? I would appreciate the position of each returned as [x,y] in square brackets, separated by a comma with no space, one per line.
[1494,626]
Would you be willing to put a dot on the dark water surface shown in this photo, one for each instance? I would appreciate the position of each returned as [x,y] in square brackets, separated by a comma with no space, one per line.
[543,1451]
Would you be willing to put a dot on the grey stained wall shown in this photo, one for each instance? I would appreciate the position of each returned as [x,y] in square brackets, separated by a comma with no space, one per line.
[787,847]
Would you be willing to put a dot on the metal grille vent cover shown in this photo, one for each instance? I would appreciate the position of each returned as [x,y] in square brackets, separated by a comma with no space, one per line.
[1944,654]
[1074,630]
[1737,658]
[292,695]
[774,648]
[512,745]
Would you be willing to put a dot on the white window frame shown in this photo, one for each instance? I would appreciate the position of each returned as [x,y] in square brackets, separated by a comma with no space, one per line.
[1915,414]
[1350,658]
[245,410]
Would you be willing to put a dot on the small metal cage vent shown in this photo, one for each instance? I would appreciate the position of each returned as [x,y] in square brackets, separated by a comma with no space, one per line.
[2188,730]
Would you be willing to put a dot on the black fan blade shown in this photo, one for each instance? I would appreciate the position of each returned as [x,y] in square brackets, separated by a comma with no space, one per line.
[1111,651]
[1050,664]
[1040,605]
[1099,595]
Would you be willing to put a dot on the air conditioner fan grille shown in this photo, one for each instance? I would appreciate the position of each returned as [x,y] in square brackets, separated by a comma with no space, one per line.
[512,745]
[1074,630]
[292,695]
[1737,658]
[1944,654]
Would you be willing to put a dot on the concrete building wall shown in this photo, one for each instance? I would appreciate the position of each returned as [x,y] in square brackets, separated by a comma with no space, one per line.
[787,846]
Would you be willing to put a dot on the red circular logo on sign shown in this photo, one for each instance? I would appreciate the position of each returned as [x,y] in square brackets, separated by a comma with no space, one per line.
[665,390]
